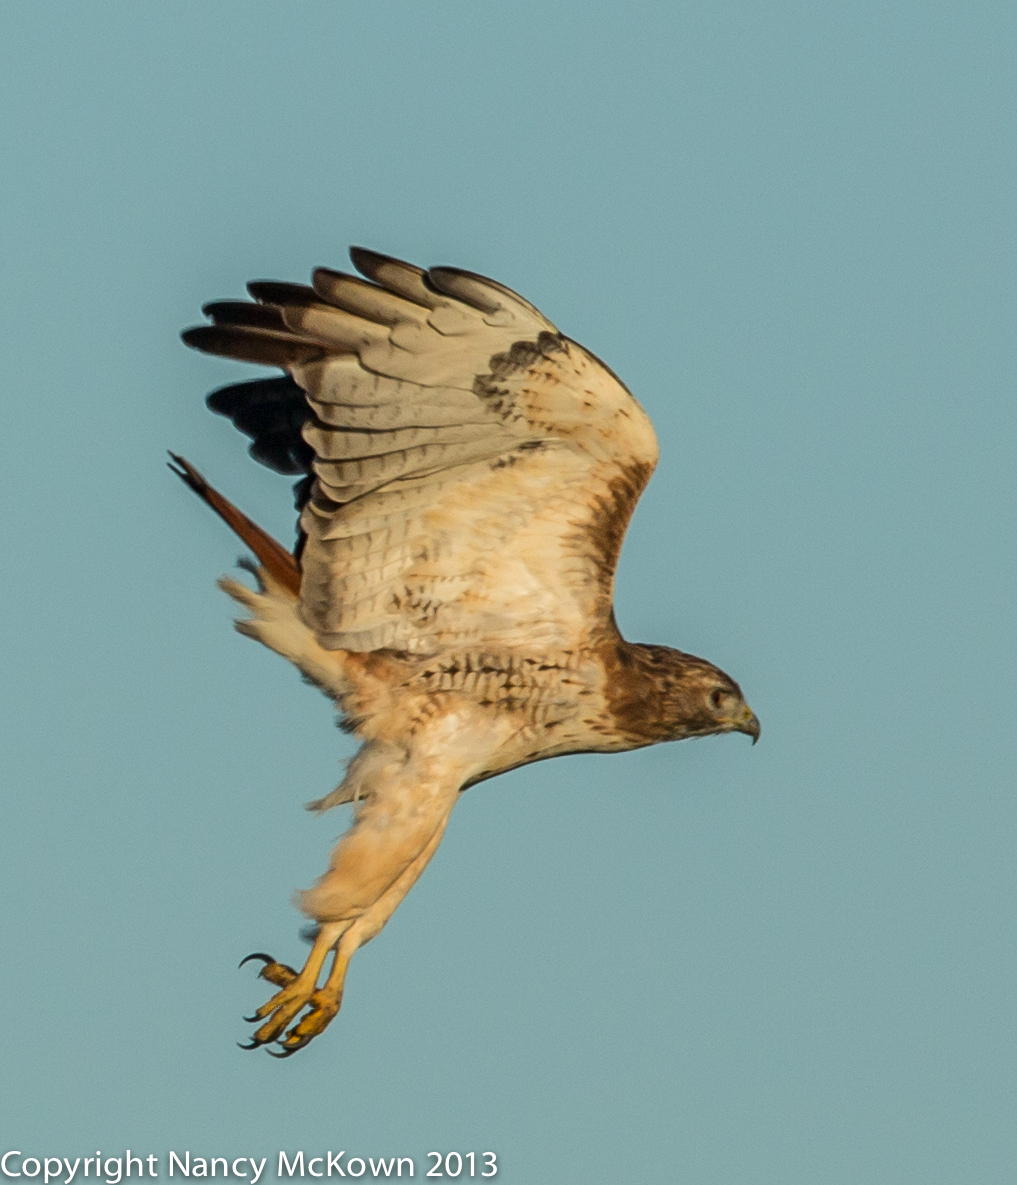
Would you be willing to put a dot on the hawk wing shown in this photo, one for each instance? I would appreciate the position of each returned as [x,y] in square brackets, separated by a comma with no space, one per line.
[474,470]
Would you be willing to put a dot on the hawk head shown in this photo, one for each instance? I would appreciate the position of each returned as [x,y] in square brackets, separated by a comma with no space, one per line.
[665,695]
[704,701]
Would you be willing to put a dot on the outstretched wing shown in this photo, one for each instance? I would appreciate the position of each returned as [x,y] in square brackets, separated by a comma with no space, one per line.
[474,470]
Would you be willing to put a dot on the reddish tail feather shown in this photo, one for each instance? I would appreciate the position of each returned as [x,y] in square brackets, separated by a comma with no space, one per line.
[273,557]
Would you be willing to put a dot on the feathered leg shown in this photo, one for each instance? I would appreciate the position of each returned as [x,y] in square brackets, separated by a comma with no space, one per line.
[345,939]
[409,797]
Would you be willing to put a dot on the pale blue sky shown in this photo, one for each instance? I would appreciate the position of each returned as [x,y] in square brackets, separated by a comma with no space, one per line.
[790,228]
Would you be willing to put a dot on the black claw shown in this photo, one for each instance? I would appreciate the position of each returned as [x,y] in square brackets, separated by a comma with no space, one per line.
[251,1019]
[257,955]
[251,1045]
[285,1052]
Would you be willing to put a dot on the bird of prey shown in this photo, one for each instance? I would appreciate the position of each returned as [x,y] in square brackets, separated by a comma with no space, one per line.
[468,473]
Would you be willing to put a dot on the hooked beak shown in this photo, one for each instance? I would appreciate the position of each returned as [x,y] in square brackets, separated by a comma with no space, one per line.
[749,724]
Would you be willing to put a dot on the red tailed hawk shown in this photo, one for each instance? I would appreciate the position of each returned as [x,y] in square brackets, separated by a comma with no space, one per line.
[469,473]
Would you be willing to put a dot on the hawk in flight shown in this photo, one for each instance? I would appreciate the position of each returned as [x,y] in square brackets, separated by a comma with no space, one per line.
[467,475]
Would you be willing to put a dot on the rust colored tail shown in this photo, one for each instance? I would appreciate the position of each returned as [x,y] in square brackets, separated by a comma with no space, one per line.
[274,558]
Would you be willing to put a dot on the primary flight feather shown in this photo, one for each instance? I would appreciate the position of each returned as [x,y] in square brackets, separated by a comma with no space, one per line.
[468,473]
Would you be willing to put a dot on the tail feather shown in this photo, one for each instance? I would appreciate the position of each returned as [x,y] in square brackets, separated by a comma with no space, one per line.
[274,558]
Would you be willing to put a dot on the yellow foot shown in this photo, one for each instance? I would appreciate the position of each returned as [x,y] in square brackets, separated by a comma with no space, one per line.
[322,1010]
[297,992]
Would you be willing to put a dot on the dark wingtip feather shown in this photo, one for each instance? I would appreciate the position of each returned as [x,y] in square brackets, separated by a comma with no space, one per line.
[277,292]
[369,262]
[193,337]
[325,279]
[271,412]
[269,347]
[243,312]
[465,286]
[395,275]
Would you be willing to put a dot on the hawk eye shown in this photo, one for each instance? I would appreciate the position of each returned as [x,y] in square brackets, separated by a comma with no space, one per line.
[717,698]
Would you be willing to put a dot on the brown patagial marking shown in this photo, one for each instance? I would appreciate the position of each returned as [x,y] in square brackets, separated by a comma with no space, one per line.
[608,530]
[469,474]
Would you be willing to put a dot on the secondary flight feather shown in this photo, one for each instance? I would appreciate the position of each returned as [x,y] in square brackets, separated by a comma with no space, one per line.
[467,476]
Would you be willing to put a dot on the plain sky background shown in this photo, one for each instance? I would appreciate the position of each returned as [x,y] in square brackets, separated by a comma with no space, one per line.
[790,228]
